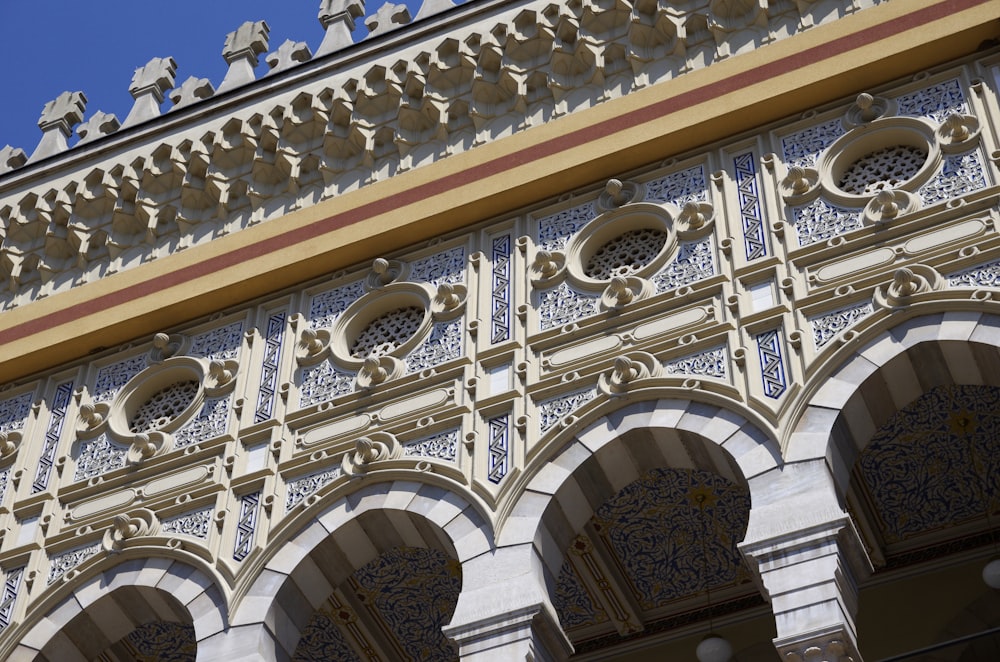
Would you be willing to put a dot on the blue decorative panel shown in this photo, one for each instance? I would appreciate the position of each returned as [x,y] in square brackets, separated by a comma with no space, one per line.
[212,421]
[679,187]
[674,533]
[819,221]
[499,448]
[14,411]
[246,528]
[936,102]
[413,592]
[60,403]
[444,344]
[322,641]
[500,292]
[935,463]
[695,261]
[112,377]
[162,641]
[269,371]
[11,587]
[574,604]
[772,365]
[444,267]
[221,343]
[802,148]
[748,192]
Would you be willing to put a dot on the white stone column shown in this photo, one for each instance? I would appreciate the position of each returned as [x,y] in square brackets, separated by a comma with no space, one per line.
[810,577]
[504,612]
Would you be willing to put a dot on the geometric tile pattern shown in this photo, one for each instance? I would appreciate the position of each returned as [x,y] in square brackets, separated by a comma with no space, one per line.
[750,211]
[772,366]
[59,406]
[935,463]
[269,371]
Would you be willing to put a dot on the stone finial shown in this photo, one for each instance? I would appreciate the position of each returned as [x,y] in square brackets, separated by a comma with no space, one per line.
[11,158]
[149,84]
[59,116]
[99,124]
[288,55]
[337,18]
[190,91]
[388,17]
[241,51]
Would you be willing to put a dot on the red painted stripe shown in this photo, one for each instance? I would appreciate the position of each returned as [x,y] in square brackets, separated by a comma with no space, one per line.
[541,150]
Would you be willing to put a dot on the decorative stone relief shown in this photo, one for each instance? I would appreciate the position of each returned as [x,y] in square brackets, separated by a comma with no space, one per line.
[819,221]
[626,370]
[271,364]
[136,524]
[221,343]
[164,642]
[300,488]
[711,363]
[563,305]
[983,275]
[4,479]
[322,640]
[63,563]
[500,292]
[960,174]
[112,377]
[246,527]
[695,261]
[99,456]
[194,524]
[444,267]
[498,448]
[324,382]
[751,215]
[882,169]
[326,307]
[376,447]
[556,229]
[906,283]
[553,410]
[573,602]
[14,411]
[8,599]
[679,187]
[443,344]
[212,421]
[826,327]
[442,446]
[772,364]
[60,404]
[803,147]
[935,102]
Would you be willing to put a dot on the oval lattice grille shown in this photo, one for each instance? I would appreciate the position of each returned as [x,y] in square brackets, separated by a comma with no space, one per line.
[387,332]
[165,405]
[625,254]
[882,169]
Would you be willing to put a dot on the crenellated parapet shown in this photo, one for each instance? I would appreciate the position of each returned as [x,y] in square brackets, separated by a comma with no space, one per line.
[338,120]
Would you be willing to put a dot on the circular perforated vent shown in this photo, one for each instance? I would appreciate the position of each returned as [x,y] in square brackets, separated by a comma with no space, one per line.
[387,332]
[885,168]
[164,406]
[625,254]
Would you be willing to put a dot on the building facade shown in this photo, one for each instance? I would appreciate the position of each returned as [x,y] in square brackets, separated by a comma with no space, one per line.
[519,331]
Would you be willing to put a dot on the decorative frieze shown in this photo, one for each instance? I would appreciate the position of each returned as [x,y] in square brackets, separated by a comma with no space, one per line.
[444,344]
[935,102]
[802,148]
[8,600]
[498,449]
[212,421]
[444,267]
[326,307]
[500,292]
[221,343]
[99,456]
[14,411]
[269,370]
[112,377]
[555,230]
[246,527]
[60,403]
[324,382]
[563,305]
[442,446]
[300,488]
[826,327]
[772,364]
[983,275]
[553,410]
[960,174]
[711,363]
[819,221]
[695,261]
[63,563]
[751,214]
[679,187]
[194,523]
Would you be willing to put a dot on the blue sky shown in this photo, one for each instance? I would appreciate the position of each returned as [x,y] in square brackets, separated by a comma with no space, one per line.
[94,46]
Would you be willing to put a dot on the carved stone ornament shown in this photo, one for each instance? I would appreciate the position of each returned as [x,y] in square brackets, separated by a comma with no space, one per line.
[622,291]
[9,441]
[831,647]
[449,301]
[635,241]
[618,194]
[313,346]
[166,346]
[93,419]
[546,267]
[221,377]
[375,371]
[627,370]
[888,205]
[384,272]
[958,133]
[137,524]
[800,185]
[867,108]
[907,283]
[376,447]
